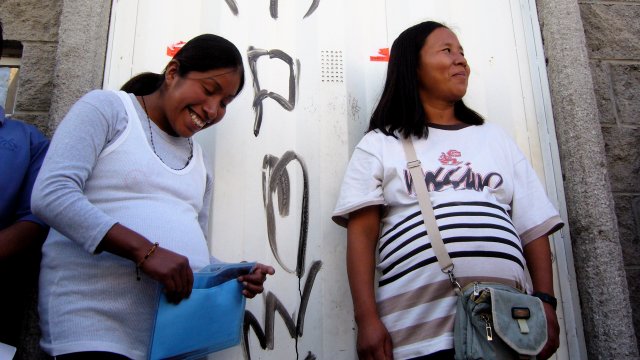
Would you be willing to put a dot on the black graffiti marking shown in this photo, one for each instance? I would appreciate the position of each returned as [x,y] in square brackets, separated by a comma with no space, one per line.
[260,94]
[273,8]
[282,185]
[273,305]
[232,6]
[312,8]
[275,179]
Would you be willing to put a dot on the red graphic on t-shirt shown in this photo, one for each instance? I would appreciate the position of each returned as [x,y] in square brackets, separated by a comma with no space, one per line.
[450,157]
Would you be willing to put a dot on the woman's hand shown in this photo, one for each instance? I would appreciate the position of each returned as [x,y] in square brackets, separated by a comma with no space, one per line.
[553,331]
[538,255]
[172,270]
[374,341]
[253,283]
[169,268]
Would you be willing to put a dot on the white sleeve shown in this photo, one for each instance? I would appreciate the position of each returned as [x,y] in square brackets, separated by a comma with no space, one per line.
[532,213]
[362,183]
[58,193]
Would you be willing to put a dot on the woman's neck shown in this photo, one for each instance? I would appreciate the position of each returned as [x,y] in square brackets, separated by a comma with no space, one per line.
[440,113]
[155,113]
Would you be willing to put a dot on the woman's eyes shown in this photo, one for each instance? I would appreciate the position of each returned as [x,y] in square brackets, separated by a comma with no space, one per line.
[207,91]
[448,50]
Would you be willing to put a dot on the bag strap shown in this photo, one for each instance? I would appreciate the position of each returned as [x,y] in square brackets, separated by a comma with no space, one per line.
[422,193]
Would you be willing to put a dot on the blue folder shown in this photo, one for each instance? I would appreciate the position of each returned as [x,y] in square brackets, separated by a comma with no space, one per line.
[208,321]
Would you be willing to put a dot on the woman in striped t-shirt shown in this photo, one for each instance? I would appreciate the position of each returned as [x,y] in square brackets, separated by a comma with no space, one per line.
[491,209]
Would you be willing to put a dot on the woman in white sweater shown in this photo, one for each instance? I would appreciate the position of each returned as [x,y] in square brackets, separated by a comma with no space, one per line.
[127,194]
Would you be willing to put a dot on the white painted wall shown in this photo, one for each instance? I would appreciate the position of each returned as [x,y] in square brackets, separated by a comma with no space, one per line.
[508,86]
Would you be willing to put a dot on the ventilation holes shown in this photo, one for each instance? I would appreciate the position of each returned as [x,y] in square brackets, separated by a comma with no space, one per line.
[331,66]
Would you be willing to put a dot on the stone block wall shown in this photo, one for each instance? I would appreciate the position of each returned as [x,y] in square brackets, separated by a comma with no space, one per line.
[35,24]
[612,31]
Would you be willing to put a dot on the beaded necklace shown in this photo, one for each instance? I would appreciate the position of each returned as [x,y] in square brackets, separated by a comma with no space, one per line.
[144,105]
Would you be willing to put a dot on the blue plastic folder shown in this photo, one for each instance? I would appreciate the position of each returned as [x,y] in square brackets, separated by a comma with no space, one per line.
[208,321]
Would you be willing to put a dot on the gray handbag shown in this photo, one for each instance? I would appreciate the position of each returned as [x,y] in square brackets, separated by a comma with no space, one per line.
[492,321]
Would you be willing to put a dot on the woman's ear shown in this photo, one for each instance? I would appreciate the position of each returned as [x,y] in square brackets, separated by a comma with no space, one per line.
[171,71]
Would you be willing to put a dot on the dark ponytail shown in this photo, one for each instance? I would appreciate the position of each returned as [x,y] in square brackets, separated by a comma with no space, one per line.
[143,84]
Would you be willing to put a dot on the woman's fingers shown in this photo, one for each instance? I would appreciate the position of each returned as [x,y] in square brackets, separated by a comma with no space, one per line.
[189,281]
[253,283]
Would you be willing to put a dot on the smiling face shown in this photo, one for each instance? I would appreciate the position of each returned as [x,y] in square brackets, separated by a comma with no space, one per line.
[196,100]
[443,72]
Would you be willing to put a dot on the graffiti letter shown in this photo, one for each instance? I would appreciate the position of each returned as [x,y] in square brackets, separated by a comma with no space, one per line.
[275,179]
[273,304]
[260,94]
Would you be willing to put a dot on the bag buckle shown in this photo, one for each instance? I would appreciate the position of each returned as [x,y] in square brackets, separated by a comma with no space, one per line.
[412,164]
[452,278]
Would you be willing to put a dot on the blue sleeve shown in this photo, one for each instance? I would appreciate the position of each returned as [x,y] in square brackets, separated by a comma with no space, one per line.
[38,145]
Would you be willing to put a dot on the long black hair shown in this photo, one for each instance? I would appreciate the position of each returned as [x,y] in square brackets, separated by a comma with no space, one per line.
[202,53]
[400,108]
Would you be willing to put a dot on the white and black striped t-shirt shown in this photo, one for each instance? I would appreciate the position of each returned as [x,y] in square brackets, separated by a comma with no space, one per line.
[488,203]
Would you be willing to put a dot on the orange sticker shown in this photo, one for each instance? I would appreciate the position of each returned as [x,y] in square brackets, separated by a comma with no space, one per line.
[173,49]
[383,55]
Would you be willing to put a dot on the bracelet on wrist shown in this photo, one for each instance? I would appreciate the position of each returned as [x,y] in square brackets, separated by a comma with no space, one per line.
[546,298]
[149,253]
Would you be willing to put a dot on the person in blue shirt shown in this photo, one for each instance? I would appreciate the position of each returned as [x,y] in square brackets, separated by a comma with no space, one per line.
[22,149]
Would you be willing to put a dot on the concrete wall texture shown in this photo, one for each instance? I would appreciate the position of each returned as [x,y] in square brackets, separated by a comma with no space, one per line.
[593,53]
[612,31]
[600,272]
[35,23]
